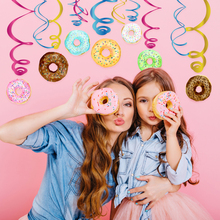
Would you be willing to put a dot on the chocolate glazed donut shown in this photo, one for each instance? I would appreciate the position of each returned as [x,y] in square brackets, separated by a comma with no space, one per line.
[62,66]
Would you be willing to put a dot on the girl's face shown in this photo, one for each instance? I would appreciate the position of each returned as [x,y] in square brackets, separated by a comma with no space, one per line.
[144,98]
[121,120]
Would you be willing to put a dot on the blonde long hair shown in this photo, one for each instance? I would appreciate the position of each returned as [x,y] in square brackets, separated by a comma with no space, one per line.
[97,163]
[165,82]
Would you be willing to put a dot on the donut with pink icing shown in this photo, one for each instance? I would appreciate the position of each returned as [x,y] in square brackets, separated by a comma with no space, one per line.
[12,91]
[104,101]
[163,102]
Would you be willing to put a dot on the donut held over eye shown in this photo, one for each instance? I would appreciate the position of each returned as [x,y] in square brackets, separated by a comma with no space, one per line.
[163,102]
[105,101]
[53,58]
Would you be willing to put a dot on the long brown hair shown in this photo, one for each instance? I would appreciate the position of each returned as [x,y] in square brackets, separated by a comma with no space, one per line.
[165,82]
[97,163]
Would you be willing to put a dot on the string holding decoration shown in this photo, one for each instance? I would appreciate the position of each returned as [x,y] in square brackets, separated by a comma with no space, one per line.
[101,30]
[181,27]
[133,17]
[115,13]
[151,40]
[19,70]
[198,66]
[81,11]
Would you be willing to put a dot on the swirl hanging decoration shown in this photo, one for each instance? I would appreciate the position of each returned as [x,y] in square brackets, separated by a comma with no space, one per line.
[197,66]
[133,17]
[101,30]
[43,27]
[55,44]
[114,11]
[151,40]
[81,11]
[19,70]
[182,26]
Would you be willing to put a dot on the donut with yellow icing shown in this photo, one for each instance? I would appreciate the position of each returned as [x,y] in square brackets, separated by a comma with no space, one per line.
[198,81]
[114,49]
[59,60]
[163,102]
[23,86]
[104,101]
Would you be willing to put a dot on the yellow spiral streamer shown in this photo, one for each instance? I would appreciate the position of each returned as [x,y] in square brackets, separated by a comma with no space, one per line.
[198,66]
[114,11]
[56,44]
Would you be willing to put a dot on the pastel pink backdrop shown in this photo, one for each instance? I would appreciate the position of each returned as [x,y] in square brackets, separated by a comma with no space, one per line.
[21,171]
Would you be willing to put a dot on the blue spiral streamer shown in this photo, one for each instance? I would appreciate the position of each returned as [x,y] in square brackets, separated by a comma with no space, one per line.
[101,30]
[182,26]
[133,17]
[43,27]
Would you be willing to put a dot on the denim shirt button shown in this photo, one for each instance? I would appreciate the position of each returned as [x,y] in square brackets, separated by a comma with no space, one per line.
[116,195]
[142,145]
[132,174]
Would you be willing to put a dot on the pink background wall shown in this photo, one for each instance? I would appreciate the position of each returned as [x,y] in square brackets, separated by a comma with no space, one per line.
[21,171]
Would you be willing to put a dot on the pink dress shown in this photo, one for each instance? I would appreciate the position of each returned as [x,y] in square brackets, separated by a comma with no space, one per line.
[173,206]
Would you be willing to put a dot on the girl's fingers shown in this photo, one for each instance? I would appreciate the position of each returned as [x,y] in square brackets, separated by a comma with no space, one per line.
[90,111]
[85,80]
[139,197]
[169,120]
[76,84]
[172,117]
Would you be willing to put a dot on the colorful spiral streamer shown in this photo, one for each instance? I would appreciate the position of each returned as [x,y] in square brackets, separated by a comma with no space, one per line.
[182,27]
[19,70]
[151,40]
[101,30]
[133,17]
[197,66]
[81,11]
[115,13]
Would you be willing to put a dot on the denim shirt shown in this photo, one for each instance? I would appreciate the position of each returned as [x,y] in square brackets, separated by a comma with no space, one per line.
[59,190]
[139,158]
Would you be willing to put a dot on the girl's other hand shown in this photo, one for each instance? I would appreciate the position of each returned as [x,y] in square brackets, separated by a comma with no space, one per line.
[77,103]
[172,122]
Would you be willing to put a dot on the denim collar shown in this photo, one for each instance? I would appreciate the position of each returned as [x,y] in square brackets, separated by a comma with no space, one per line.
[155,135]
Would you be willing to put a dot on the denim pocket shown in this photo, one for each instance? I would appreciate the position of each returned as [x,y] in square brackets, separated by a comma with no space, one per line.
[150,163]
[125,159]
[74,184]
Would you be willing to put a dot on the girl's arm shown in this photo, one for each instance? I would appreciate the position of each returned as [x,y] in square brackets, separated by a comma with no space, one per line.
[113,209]
[154,190]
[17,130]
[173,150]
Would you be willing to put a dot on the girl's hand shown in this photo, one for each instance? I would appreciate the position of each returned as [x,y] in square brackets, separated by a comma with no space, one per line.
[77,103]
[154,190]
[172,122]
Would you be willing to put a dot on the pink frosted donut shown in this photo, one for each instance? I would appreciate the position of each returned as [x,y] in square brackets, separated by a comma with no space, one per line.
[163,102]
[23,86]
[104,101]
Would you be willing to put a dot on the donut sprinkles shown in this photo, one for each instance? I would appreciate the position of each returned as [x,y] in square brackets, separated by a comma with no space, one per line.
[12,91]
[145,55]
[195,82]
[163,102]
[61,63]
[104,101]
[84,40]
[131,39]
[114,49]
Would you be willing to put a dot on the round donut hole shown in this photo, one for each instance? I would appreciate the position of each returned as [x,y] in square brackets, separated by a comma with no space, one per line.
[18,91]
[76,42]
[131,32]
[53,67]
[169,105]
[104,100]
[149,61]
[105,53]
[198,89]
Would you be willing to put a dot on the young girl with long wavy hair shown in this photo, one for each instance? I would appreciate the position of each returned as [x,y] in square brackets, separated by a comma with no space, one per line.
[158,148]
[78,180]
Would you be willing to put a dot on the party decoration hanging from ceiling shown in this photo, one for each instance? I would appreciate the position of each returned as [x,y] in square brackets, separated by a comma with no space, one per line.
[115,13]
[133,17]
[181,27]
[18,70]
[77,14]
[151,40]
[101,30]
